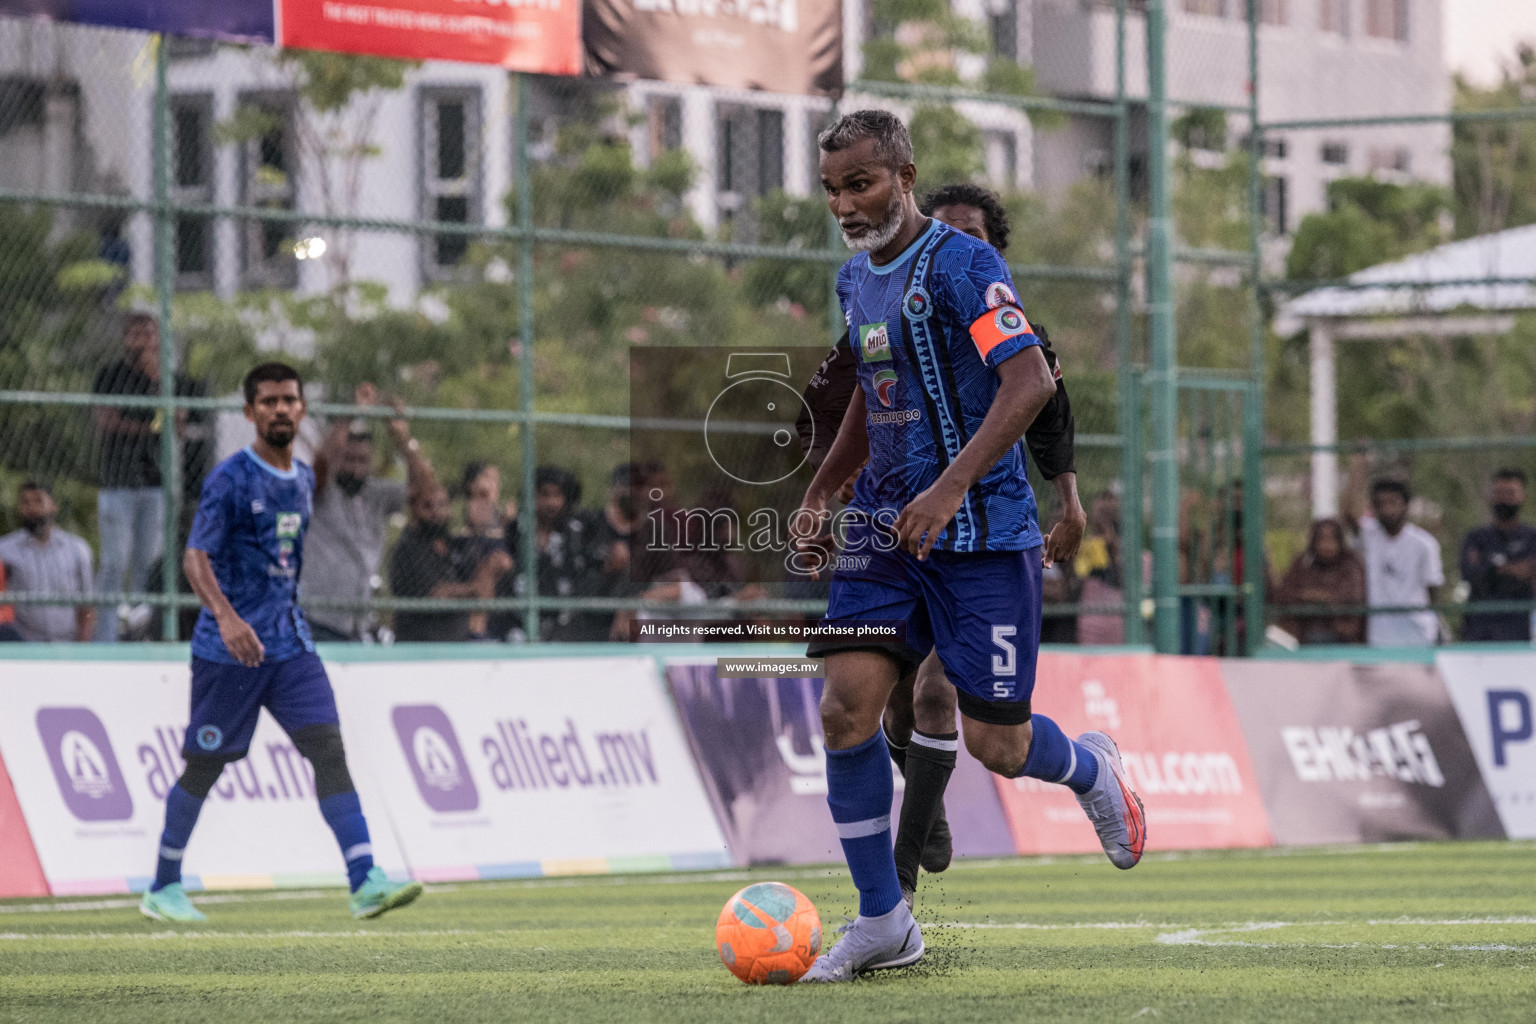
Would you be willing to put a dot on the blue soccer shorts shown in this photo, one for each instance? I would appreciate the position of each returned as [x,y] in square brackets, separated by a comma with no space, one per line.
[980,611]
[226,700]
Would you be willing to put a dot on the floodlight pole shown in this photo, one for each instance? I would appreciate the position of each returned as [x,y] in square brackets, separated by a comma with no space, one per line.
[1162,375]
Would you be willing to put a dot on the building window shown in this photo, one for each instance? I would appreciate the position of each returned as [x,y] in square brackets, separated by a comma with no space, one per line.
[1002,157]
[750,161]
[1393,159]
[1275,12]
[450,172]
[1335,154]
[268,181]
[1333,16]
[663,124]
[1003,22]
[1275,205]
[1387,19]
[1209,8]
[192,184]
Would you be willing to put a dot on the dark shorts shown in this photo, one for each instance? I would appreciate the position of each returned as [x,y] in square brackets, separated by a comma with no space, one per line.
[980,611]
[226,700]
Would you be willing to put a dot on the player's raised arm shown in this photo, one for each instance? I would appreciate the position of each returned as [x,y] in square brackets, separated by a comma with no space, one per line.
[1025,385]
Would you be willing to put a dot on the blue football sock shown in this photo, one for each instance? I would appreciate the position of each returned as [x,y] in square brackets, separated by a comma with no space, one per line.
[344,813]
[859,791]
[181,810]
[1053,757]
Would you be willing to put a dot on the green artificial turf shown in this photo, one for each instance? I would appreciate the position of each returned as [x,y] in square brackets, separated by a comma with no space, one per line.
[1407,933]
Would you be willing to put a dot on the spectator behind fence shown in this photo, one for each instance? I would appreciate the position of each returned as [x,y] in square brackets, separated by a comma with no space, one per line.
[8,631]
[1098,565]
[1498,561]
[345,547]
[130,506]
[1402,562]
[424,565]
[485,528]
[570,561]
[40,558]
[1327,573]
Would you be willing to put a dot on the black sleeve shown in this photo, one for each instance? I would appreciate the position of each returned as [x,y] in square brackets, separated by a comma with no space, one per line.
[1052,437]
[826,400]
[410,574]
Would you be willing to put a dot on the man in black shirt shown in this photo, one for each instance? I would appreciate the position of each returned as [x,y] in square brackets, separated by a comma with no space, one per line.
[571,562]
[424,565]
[1498,561]
[130,506]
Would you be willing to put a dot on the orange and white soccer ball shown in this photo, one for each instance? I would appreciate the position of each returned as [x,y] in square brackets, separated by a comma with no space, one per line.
[768,934]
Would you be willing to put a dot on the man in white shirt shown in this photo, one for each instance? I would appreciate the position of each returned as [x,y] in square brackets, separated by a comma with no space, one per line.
[1402,569]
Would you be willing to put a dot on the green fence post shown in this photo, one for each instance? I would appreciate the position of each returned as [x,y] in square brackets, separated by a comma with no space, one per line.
[1258,367]
[165,287]
[1162,376]
[1130,403]
[528,556]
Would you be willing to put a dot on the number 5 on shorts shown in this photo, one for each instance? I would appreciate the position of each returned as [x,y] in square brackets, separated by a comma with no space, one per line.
[1005,663]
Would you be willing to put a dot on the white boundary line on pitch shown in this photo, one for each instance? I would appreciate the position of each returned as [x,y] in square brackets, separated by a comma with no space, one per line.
[1184,935]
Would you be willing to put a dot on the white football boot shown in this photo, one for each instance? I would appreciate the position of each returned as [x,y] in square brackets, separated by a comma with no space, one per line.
[1112,806]
[870,944]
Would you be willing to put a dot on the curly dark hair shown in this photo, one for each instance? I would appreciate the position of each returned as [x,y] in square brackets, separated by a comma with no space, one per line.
[985,200]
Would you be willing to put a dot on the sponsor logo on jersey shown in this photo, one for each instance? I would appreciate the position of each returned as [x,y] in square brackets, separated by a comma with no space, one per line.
[885,386]
[918,304]
[999,294]
[1010,322]
[257,508]
[875,343]
[288,524]
[895,416]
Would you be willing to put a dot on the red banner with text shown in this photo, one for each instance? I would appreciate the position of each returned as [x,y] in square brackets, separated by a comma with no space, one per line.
[539,36]
[1179,738]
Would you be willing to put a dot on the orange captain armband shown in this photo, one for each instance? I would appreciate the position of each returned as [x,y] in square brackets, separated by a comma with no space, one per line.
[996,326]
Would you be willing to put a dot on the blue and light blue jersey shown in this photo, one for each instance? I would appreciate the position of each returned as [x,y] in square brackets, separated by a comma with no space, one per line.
[928,331]
[251,521]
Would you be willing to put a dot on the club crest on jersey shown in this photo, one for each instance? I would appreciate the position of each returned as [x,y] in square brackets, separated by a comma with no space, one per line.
[999,294]
[875,343]
[1010,322]
[885,386]
[288,524]
[918,304]
[209,737]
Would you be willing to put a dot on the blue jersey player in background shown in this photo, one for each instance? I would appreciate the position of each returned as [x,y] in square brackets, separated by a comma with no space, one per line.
[252,649]
[943,535]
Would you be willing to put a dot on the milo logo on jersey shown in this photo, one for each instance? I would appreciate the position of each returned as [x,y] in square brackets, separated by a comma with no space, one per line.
[288,524]
[875,343]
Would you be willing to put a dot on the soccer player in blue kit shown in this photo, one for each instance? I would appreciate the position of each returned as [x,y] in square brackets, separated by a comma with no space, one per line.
[942,534]
[252,648]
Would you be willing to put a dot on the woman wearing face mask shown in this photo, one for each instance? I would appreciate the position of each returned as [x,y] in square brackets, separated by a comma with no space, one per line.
[1327,573]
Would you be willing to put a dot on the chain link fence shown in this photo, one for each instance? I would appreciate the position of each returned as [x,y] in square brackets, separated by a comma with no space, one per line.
[464,265]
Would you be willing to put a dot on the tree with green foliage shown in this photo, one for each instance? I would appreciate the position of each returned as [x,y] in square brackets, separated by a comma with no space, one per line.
[1369,222]
[1495,161]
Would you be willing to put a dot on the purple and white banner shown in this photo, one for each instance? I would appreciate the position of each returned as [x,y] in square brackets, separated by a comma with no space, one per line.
[759,746]
[1495,695]
[94,747]
[499,769]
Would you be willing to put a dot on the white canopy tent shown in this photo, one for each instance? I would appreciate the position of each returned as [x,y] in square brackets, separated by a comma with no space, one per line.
[1463,288]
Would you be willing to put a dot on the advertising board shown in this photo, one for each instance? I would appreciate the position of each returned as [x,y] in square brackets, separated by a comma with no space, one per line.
[1359,753]
[1494,695]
